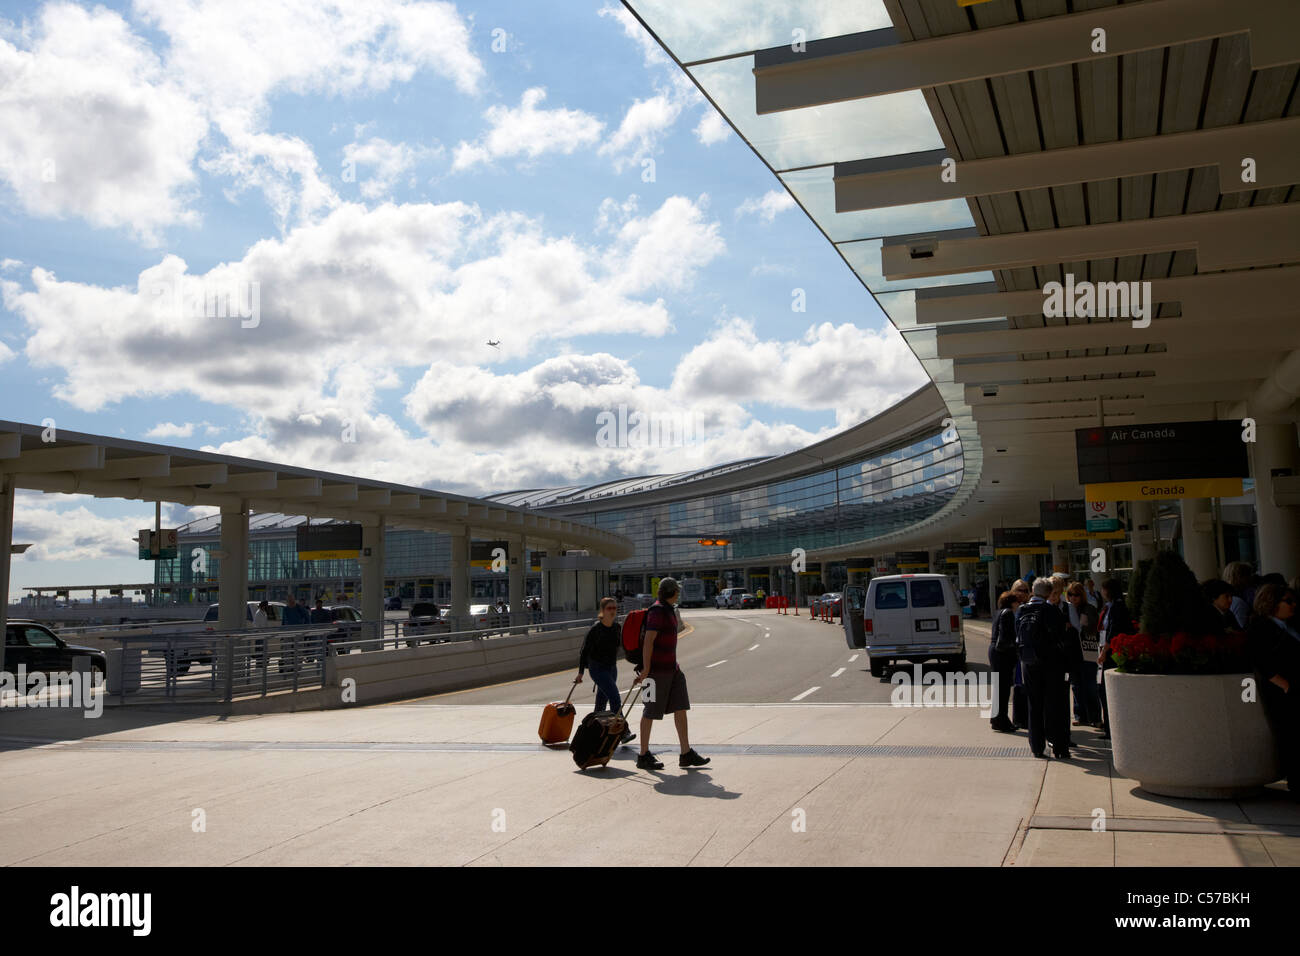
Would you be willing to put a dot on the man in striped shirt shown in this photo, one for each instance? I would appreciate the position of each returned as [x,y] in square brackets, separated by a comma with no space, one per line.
[666,693]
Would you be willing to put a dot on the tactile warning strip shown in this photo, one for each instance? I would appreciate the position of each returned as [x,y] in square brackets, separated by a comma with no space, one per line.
[751,750]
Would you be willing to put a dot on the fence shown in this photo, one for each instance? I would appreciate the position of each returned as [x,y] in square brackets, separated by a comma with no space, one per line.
[218,667]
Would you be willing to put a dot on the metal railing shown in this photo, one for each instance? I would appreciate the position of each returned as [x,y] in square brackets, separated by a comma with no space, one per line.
[220,666]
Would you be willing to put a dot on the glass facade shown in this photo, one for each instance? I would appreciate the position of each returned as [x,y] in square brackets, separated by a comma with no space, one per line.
[832,507]
[836,506]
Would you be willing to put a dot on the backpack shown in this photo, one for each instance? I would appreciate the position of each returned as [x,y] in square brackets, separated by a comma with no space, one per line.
[633,635]
[1035,644]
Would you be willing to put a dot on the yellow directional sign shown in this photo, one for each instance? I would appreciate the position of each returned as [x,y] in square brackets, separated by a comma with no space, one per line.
[1165,488]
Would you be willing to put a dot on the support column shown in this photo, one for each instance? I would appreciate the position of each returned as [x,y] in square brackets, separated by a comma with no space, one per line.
[6,556]
[518,555]
[1026,564]
[460,575]
[232,612]
[1143,516]
[1198,538]
[372,571]
[1277,528]
[964,575]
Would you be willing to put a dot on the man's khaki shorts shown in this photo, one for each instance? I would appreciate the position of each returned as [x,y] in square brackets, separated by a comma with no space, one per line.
[669,694]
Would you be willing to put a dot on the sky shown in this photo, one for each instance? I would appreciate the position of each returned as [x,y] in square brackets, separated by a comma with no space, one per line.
[421,242]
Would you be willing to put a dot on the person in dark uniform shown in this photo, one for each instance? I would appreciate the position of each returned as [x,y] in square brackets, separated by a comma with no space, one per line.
[1041,639]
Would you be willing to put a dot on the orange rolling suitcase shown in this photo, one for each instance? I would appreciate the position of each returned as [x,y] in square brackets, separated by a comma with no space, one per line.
[557,721]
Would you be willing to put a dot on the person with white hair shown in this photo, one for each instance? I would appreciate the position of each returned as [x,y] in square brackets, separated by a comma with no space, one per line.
[1041,642]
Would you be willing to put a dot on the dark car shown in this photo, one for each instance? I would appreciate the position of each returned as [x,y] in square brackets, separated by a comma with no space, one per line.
[393,603]
[40,649]
[425,617]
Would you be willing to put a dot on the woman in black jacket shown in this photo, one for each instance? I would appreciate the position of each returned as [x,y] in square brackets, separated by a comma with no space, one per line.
[1002,658]
[1273,643]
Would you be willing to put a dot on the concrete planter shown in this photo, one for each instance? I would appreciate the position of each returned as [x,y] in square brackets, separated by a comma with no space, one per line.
[1190,735]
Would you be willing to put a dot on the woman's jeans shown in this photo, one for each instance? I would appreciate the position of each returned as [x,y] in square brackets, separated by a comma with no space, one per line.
[605,677]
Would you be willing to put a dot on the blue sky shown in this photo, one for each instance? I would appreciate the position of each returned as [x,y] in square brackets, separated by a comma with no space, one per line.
[400,183]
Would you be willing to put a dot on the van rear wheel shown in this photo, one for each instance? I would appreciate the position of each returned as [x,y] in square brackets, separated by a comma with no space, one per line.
[877,667]
[959,662]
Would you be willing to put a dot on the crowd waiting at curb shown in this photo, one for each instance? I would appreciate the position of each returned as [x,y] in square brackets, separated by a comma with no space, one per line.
[1050,638]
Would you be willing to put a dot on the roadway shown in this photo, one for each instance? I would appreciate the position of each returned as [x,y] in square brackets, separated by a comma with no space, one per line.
[740,657]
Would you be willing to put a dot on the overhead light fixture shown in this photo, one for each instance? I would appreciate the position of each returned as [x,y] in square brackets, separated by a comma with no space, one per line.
[990,391]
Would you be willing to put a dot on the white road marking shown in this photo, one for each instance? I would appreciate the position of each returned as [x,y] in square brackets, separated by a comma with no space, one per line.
[838,672]
[805,693]
[753,647]
[716,663]
[853,658]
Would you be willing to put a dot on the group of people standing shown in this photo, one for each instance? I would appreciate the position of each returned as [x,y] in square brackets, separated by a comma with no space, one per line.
[1049,639]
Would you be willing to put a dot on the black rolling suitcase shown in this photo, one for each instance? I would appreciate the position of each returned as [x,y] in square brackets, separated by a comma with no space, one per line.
[600,733]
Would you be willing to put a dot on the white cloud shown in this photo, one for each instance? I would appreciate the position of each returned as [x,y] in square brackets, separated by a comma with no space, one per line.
[63,528]
[444,278]
[528,132]
[385,163]
[93,125]
[711,128]
[766,206]
[170,430]
[858,372]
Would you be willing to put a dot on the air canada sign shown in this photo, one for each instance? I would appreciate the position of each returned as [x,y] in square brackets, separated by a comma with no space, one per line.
[1165,460]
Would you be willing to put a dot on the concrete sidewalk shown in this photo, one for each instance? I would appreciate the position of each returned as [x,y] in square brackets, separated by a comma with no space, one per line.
[460,784]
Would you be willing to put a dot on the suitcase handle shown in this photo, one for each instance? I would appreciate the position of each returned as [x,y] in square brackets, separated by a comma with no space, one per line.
[632,694]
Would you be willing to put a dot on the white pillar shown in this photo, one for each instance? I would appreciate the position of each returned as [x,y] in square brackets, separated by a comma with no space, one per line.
[232,613]
[964,574]
[460,575]
[1277,528]
[1143,516]
[518,555]
[1198,538]
[372,571]
[6,558]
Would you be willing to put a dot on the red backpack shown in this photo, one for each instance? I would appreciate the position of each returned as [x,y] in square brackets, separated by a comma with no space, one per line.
[633,635]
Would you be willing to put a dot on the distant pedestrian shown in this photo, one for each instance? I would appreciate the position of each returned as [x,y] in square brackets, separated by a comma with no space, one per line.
[599,655]
[318,614]
[659,664]
[262,616]
[295,614]
[1241,578]
[1090,593]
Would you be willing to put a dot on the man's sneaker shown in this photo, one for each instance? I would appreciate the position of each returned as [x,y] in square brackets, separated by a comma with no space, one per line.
[692,759]
[648,762]
[627,737]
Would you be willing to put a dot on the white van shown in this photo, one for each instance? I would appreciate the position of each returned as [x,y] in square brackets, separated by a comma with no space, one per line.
[692,592]
[905,617]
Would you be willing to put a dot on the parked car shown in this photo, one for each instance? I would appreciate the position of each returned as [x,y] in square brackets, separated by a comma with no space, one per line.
[832,600]
[348,619]
[423,619]
[729,597]
[748,600]
[393,603]
[905,617]
[39,649]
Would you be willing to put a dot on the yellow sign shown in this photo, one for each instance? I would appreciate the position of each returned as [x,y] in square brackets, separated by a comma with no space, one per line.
[861,569]
[328,555]
[1001,552]
[913,565]
[1084,535]
[1166,488]
[962,560]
